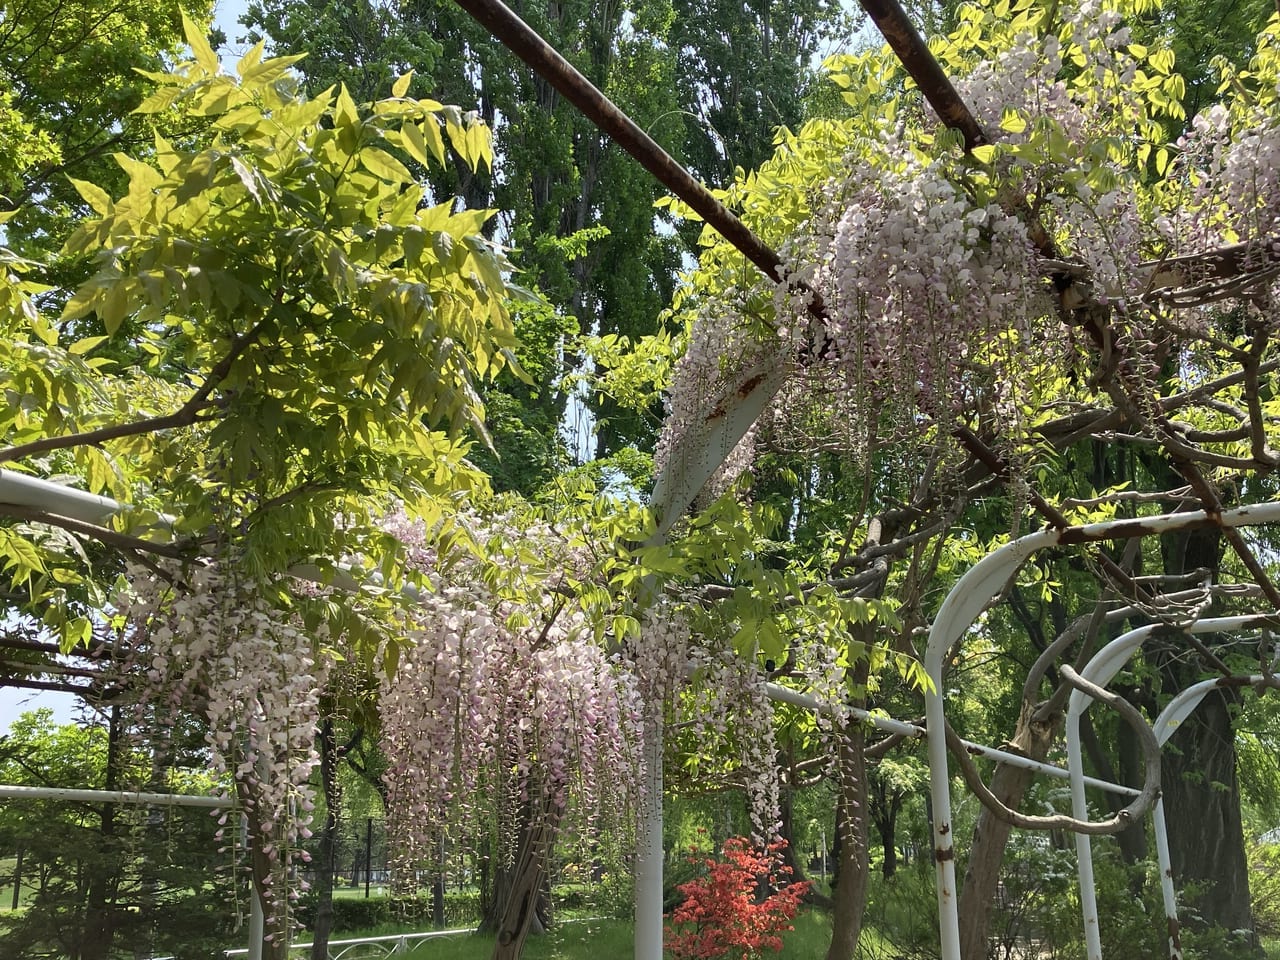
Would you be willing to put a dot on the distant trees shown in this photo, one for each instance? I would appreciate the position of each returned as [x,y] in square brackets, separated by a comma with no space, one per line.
[98,878]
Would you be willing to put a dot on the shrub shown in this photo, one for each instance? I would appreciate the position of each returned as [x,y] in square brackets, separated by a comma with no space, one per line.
[738,907]
[361,913]
[1264,886]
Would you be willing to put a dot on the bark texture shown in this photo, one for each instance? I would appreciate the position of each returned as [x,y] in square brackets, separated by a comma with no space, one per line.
[525,909]
[849,892]
[1033,738]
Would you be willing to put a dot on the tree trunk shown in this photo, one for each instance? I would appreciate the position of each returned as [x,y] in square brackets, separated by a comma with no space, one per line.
[437,888]
[328,841]
[786,829]
[100,908]
[884,805]
[888,841]
[1201,791]
[1202,809]
[1033,738]
[526,904]
[266,877]
[849,893]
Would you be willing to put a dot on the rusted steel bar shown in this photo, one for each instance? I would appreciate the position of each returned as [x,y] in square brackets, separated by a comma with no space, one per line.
[522,40]
[909,47]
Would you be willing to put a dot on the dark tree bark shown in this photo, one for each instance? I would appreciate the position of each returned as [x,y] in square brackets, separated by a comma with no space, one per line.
[1201,789]
[786,829]
[524,908]
[328,841]
[101,911]
[884,805]
[1202,808]
[849,890]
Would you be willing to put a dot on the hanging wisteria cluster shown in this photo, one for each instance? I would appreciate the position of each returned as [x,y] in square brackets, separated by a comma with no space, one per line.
[921,283]
[661,656]
[725,710]
[202,638]
[1236,170]
[934,265]
[497,703]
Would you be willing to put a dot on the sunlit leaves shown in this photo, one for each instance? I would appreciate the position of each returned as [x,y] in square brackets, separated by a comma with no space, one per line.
[293,246]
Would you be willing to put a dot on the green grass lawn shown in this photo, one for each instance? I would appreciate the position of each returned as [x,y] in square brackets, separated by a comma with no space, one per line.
[598,940]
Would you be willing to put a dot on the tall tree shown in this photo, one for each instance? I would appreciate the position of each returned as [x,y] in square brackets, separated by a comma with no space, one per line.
[68,72]
[744,71]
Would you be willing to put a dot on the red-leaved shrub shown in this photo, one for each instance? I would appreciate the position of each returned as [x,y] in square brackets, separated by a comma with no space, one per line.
[738,908]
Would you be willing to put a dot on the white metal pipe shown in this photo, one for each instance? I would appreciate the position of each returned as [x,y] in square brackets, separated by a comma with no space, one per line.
[1167,893]
[257,922]
[1084,848]
[700,449]
[966,600]
[1185,703]
[649,845]
[1176,711]
[50,497]
[915,731]
[14,792]
[1108,661]
[1100,669]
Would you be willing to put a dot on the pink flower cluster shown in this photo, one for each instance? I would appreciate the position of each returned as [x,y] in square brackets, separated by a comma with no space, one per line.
[1233,163]
[217,646]
[497,702]
[921,283]
[730,712]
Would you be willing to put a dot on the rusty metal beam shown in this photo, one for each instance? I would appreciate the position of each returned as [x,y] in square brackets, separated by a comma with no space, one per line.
[910,48]
[522,40]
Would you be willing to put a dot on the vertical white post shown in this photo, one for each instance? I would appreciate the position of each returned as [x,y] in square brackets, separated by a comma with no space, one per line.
[1084,846]
[257,922]
[1166,880]
[824,855]
[944,852]
[967,599]
[257,916]
[649,853]
[1104,665]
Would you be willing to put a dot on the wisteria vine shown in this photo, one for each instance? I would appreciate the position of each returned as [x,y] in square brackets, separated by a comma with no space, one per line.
[203,638]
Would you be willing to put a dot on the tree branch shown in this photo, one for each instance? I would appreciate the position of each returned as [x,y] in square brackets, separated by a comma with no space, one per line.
[103,534]
[182,417]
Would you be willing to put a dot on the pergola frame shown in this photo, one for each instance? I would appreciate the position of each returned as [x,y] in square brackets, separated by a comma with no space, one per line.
[736,408]
[972,593]
[748,395]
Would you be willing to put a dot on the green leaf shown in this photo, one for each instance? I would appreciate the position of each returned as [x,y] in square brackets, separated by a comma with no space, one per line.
[81,347]
[250,59]
[20,553]
[246,178]
[384,166]
[430,129]
[984,153]
[1012,122]
[345,113]
[93,195]
[199,45]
